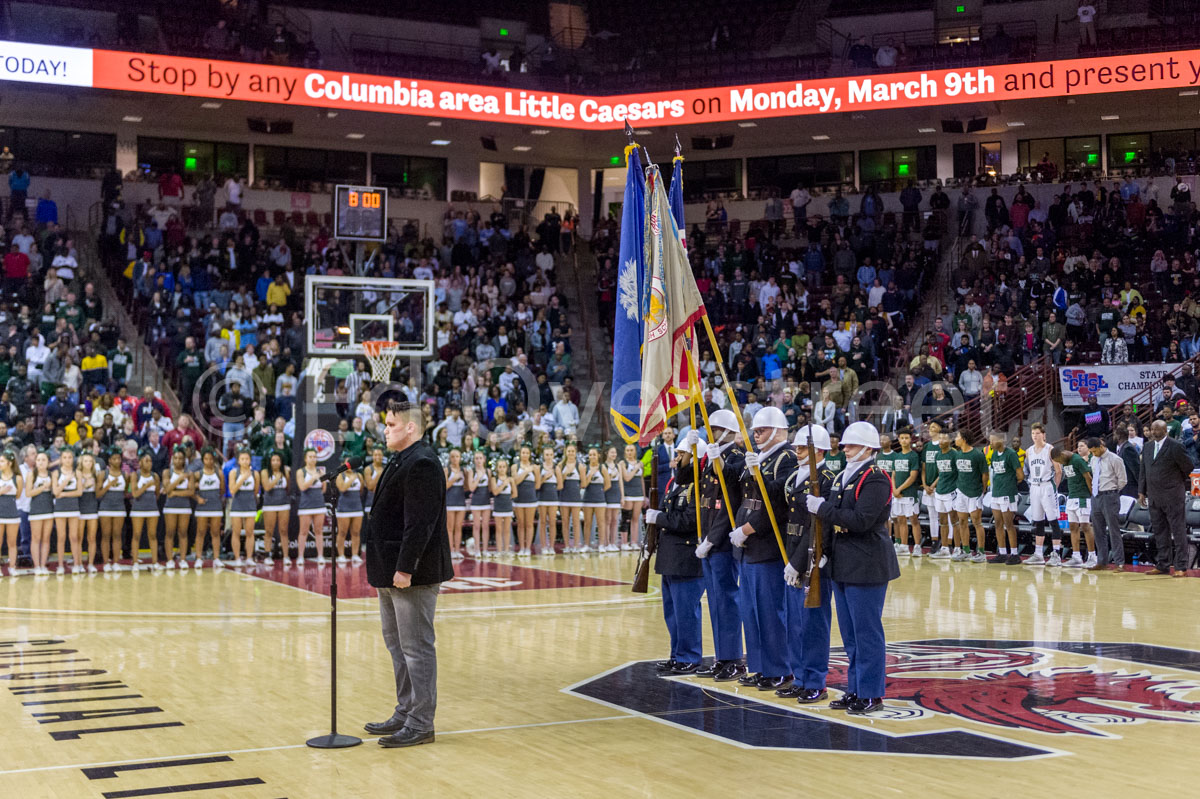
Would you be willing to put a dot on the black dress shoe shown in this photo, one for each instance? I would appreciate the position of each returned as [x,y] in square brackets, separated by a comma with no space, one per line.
[791,692]
[712,669]
[664,666]
[844,702]
[773,683]
[864,707]
[394,724]
[749,680]
[731,671]
[406,737]
[684,668]
[811,695]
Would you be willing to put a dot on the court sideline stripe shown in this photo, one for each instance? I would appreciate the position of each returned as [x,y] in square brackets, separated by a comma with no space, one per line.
[300,746]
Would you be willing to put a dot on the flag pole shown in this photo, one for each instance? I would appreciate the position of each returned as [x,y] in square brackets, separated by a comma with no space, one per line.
[695,460]
[737,411]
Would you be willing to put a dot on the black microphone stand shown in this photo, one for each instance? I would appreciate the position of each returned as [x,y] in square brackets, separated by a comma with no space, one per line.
[333,740]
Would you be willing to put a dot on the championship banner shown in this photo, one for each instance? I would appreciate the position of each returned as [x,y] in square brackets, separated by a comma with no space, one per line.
[324,88]
[1110,384]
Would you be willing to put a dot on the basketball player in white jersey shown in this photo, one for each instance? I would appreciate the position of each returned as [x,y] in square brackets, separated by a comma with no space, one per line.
[1044,474]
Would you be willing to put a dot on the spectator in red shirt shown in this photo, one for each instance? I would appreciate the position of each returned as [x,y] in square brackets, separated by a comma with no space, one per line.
[185,429]
[935,345]
[16,270]
[170,185]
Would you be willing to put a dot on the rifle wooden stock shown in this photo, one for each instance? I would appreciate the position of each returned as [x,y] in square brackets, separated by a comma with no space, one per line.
[813,598]
[641,578]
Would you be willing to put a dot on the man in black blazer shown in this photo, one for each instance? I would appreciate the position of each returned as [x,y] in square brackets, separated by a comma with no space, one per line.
[408,557]
[1164,480]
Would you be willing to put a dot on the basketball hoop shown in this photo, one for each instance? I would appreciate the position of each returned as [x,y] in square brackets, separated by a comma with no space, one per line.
[381,354]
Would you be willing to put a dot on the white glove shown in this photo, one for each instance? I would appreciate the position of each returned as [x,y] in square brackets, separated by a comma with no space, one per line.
[704,548]
[691,439]
[753,459]
[791,576]
[713,451]
[652,516]
[814,503]
[738,537]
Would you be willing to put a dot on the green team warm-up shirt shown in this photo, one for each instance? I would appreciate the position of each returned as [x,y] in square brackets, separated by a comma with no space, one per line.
[1076,482]
[1004,473]
[946,478]
[969,469]
[903,465]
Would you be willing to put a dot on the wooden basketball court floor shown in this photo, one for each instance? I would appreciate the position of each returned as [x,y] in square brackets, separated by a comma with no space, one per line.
[1003,682]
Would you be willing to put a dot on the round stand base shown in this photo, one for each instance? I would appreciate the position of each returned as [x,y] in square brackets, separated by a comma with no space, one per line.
[333,741]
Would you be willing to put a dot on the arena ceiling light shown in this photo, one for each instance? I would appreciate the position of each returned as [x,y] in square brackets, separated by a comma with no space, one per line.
[926,130]
[210,105]
[1016,124]
[747,124]
[539,132]
[130,118]
[440,142]
[820,137]
[331,114]
[435,123]
[355,135]
[1110,117]
[1189,93]
[522,148]
[643,132]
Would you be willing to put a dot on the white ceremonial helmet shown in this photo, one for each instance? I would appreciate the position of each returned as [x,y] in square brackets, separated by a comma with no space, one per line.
[681,443]
[863,434]
[769,416]
[820,437]
[724,419]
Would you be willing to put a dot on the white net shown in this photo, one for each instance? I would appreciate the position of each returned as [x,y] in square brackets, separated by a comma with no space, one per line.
[381,355]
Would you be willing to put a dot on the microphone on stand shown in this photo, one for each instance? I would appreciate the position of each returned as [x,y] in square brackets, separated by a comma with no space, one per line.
[349,464]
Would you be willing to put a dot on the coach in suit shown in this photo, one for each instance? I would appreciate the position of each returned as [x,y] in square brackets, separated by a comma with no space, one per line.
[1164,480]
[408,557]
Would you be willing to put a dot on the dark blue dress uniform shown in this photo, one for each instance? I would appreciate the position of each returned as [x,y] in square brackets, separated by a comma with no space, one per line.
[720,569]
[760,566]
[682,579]
[862,560]
[807,628]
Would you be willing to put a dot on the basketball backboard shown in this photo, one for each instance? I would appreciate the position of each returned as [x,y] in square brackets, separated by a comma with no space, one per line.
[343,312]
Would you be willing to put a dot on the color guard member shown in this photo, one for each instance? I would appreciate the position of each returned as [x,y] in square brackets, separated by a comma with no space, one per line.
[715,549]
[862,561]
[760,592]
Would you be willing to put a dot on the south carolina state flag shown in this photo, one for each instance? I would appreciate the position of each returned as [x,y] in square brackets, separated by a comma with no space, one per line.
[625,392]
[671,306]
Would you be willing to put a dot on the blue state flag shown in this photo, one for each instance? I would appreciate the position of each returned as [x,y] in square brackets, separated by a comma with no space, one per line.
[676,198]
[625,393]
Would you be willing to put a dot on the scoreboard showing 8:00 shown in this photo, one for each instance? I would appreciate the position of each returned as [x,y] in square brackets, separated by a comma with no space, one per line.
[360,213]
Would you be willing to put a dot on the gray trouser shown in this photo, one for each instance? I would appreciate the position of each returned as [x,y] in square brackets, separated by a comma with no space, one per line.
[1106,521]
[407,616]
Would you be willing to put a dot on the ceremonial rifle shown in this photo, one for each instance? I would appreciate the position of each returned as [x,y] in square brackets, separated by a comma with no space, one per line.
[641,578]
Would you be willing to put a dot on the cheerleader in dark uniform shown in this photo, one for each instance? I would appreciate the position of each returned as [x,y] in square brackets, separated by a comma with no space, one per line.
[89,516]
[143,510]
[595,485]
[276,507]
[570,499]
[177,509]
[549,483]
[524,478]
[11,486]
[312,507]
[66,511]
[40,490]
[243,508]
[371,477]
[210,511]
[479,483]
[502,512]
[633,489]
[349,516]
[612,502]
[110,494]
[456,502]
